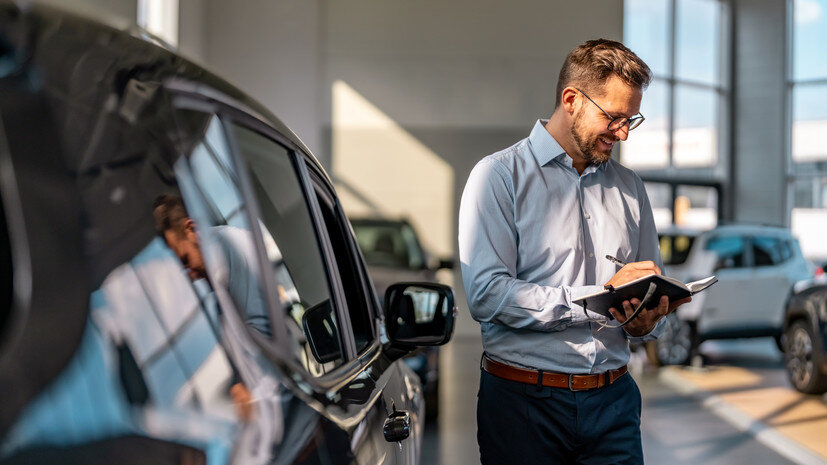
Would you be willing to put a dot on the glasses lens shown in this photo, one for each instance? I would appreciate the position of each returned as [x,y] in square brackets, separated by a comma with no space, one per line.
[635,122]
[618,123]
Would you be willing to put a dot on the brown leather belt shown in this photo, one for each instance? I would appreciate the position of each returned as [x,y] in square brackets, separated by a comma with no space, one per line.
[551,379]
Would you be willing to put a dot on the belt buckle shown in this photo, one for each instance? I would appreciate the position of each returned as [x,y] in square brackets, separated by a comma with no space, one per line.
[571,382]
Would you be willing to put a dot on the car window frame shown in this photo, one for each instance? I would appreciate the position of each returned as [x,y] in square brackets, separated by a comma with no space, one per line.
[317,179]
[278,351]
[354,361]
[783,240]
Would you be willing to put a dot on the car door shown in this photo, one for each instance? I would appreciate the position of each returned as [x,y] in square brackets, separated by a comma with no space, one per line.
[325,300]
[729,303]
[253,295]
[384,391]
[771,278]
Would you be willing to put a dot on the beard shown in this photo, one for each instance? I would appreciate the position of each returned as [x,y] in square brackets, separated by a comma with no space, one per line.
[588,144]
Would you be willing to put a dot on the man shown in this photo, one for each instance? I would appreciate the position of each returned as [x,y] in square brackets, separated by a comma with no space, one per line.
[536,222]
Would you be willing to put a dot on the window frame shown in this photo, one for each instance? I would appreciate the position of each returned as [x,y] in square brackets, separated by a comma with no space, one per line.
[719,174]
[814,172]
[278,350]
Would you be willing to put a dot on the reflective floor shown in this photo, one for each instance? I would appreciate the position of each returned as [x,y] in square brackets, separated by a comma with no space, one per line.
[678,428]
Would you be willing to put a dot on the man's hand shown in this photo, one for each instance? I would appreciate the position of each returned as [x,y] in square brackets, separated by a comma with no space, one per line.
[633,271]
[646,320]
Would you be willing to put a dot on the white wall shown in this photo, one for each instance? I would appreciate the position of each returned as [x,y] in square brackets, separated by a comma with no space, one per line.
[269,49]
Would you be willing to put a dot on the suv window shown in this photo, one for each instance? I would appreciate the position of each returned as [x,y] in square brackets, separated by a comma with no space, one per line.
[674,248]
[293,250]
[730,251]
[769,251]
[392,244]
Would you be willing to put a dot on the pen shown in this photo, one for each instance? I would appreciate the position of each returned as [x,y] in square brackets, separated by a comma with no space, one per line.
[616,261]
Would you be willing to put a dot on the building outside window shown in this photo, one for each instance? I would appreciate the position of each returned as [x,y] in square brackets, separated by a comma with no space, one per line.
[680,150]
[807,160]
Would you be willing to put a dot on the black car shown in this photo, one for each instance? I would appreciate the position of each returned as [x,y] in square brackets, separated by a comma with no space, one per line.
[805,337]
[179,283]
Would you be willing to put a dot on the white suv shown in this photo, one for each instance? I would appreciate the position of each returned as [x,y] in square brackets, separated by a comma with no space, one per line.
[756,268]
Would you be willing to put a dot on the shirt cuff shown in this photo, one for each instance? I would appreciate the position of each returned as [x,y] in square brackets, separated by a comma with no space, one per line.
[576,313]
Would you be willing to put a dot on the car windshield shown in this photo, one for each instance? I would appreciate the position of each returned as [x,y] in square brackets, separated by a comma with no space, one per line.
[391,244]
[674,248]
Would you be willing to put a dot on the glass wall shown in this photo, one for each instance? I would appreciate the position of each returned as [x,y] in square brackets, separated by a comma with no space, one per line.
[807,188]
[682,42]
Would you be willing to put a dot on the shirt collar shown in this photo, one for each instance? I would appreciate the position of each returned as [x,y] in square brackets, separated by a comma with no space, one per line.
[543,145]
[546,148]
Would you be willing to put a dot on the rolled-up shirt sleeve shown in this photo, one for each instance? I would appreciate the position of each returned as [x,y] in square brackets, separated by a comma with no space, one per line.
[488,247]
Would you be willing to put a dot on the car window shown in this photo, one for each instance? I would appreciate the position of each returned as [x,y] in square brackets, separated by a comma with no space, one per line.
[769,251]
[389,244]
[729,249]
[674,248]
[293,250]
[348,268]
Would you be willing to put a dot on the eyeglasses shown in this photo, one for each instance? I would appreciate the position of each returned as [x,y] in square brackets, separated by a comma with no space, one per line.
[619,121]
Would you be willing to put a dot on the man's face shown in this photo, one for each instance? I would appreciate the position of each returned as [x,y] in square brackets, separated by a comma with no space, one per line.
[185,245]
[590,126]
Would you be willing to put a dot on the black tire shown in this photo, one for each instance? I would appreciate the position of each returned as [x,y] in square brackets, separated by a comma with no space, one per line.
[676,344]
[801,359]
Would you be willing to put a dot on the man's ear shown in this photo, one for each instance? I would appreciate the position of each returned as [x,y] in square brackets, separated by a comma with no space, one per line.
[189,229]
[569,100]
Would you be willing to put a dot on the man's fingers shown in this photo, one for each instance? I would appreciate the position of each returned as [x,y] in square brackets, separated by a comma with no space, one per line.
[645,265]
[626,313]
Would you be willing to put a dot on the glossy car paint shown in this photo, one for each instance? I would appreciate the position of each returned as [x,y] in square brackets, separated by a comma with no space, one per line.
[88,130]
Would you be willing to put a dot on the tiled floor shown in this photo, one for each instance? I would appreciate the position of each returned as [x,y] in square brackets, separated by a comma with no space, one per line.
[677,429]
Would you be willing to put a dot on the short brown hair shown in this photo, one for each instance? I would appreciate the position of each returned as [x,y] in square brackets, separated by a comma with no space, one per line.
[591,64]
[169,213]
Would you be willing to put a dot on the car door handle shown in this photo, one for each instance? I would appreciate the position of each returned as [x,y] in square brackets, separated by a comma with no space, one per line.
[397,426]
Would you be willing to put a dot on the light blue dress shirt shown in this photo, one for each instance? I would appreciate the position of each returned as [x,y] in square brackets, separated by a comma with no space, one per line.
[533,236]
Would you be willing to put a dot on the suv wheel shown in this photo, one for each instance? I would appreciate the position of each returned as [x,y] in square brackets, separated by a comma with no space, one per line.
[800,359]
[675,345]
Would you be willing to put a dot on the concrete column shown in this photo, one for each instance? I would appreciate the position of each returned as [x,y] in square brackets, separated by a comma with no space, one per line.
[759,110]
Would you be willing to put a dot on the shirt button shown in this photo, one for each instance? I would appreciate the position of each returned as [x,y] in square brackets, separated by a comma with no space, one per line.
[591,255]
[587,216]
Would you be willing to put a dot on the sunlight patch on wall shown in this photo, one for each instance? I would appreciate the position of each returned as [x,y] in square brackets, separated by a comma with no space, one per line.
[382,170]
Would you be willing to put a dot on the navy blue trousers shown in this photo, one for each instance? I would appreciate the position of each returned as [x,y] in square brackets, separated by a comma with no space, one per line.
[520,424]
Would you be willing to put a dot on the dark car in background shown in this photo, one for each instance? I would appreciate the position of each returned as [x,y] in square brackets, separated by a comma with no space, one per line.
[239,328]
[394,253]
[805,337]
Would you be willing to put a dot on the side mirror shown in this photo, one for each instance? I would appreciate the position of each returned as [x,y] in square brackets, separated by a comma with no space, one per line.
[319,326]
[419,314]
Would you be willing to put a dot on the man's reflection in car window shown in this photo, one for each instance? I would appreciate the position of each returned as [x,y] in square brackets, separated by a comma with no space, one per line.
[233,258]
